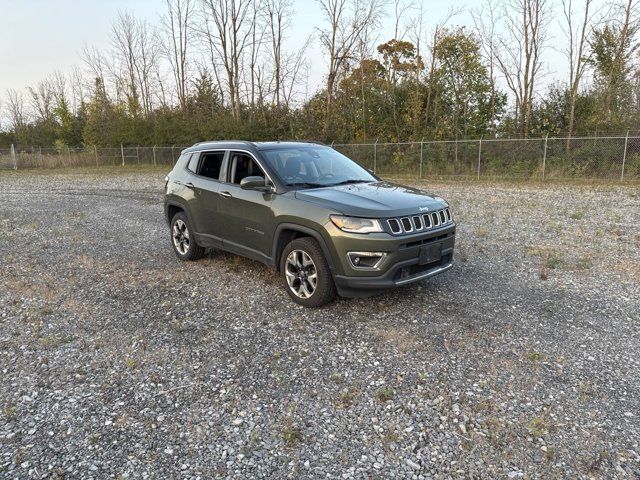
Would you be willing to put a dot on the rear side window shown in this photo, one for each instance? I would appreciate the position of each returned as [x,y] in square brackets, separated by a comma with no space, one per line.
[193,163]
[184,159]
[211,164]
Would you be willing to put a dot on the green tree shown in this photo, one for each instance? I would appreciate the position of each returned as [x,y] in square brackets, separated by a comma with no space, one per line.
[401,64]
[613,48]
[464,88]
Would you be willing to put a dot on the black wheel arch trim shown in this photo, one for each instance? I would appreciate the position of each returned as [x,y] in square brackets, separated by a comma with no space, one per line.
[180,205]
[278,238]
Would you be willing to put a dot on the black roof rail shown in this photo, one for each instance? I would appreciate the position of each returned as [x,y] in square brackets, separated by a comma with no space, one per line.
[246,142]
[317,142]
[254,144]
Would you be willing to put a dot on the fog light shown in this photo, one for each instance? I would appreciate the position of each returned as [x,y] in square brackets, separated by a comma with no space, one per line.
[366,259]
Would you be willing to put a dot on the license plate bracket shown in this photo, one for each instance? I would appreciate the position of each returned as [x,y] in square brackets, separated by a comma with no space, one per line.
[430,253]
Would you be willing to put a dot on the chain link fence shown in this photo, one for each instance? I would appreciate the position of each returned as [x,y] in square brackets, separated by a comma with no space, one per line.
[49,158]
[603,158]
[595,158]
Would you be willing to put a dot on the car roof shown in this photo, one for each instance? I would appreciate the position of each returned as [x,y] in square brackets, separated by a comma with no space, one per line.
[229,144]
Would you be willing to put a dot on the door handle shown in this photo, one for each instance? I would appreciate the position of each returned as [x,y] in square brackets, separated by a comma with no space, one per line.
[189,185]
[225,194]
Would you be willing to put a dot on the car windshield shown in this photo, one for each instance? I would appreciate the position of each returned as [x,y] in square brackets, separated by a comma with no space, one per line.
[314,166]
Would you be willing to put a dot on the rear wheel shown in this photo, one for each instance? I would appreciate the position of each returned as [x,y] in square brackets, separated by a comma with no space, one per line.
[182,239]
[307,276]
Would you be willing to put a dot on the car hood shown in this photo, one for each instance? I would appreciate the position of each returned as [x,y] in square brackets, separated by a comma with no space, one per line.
[375,199]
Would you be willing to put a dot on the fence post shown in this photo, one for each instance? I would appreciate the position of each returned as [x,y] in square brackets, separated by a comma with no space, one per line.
[173,156]
[421,146]
[375,156]
[95,152]
[69,154]
[624,155]
[122,154]
[138,154]
[154,155]
[14,160]
[41,157]
[479,155]
[544,156]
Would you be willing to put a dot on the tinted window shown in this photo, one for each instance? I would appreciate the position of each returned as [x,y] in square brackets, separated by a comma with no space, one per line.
[315,165]
[211,164]
[243,166]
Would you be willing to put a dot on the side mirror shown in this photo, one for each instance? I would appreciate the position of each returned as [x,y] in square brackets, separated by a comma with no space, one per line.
[253,183]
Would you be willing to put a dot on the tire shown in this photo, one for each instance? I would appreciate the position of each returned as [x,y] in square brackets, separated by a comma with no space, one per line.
[183,240]
[299,282]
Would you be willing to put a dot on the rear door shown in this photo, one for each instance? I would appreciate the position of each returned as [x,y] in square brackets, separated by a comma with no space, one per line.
[205,183]
[246,214]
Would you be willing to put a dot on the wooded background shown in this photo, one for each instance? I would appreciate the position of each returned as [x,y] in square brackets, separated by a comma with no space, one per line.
[220,69]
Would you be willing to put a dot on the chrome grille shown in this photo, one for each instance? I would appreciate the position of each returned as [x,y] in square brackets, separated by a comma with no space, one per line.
[394,225]
[418,223]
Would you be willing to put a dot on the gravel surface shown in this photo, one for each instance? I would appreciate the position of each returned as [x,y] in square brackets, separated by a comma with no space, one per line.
[119,361]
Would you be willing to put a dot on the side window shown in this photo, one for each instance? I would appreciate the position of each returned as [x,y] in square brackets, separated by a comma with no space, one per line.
[193,163]
[211,164]
[184,159]
[242,166]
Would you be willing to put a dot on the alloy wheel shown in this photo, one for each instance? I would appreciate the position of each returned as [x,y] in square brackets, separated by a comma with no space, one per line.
[301,274]
[180,234]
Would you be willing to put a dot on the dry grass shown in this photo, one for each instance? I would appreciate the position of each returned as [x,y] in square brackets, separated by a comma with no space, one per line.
[630,270]
[32,288]
[399,339]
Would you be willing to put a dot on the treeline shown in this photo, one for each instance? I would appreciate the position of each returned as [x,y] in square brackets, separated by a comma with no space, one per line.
[216,69]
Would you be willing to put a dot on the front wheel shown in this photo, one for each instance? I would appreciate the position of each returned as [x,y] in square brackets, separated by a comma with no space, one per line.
[182,239]
[307,276]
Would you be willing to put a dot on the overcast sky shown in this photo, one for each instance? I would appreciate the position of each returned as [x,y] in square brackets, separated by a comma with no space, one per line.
[40,36]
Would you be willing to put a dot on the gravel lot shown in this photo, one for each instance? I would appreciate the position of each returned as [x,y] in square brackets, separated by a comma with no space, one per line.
[119,361]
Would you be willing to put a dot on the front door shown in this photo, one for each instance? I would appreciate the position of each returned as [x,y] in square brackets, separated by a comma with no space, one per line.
[246,214]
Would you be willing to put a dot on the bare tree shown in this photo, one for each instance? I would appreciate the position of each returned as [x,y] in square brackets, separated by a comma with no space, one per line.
[258,31]
[347,20]
[485,20]
[146,62]
[78,90]
[519,52]
[41,99]
[136,51]
[59,89]
[124,41]
[96,63]
[16,109]
[575,52]
[293,71]
[176,27]
[227,31]
[401,7]
[279,14]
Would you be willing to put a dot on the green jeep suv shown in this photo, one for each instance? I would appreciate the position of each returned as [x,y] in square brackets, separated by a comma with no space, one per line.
[325,223]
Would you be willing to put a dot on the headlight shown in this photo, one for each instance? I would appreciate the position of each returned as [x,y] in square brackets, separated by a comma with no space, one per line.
[356,225]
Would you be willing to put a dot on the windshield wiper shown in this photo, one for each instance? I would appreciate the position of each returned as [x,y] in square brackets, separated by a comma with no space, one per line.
[345,182]
[305,184]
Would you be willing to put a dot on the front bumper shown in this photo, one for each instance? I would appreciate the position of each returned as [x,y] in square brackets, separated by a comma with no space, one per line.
[402,266]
